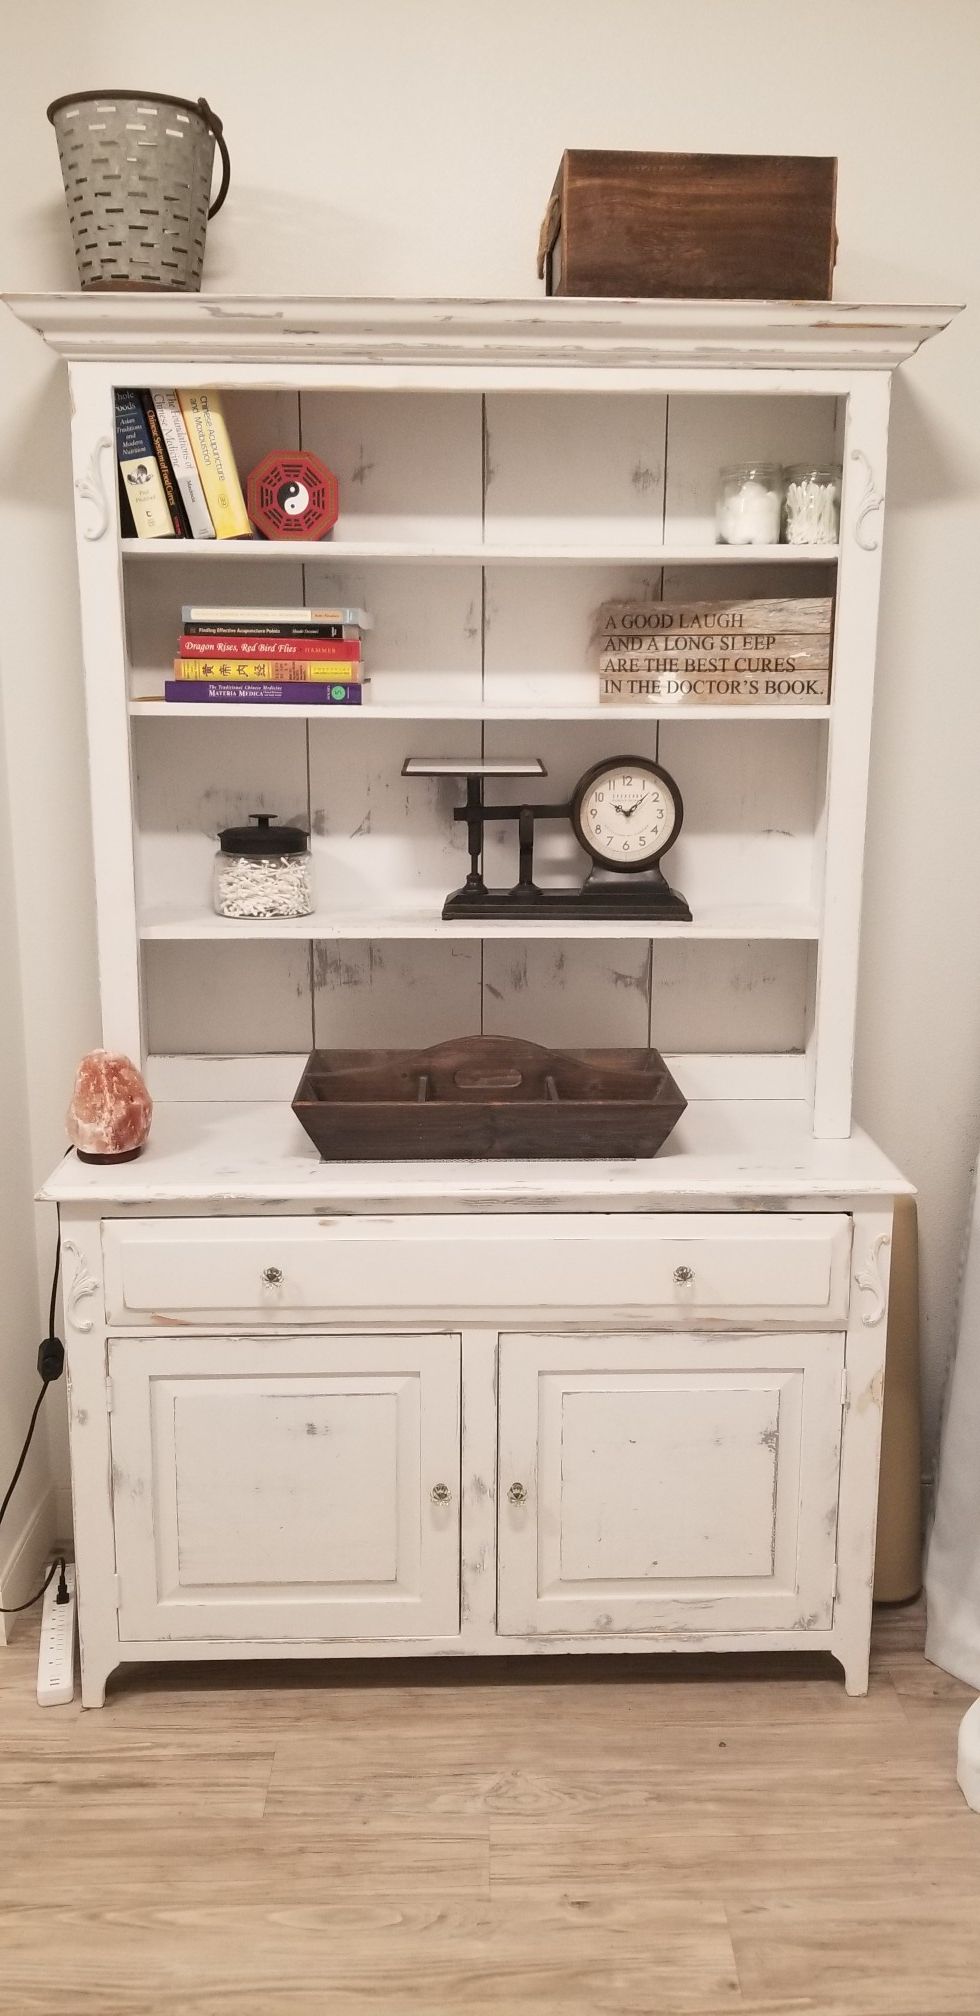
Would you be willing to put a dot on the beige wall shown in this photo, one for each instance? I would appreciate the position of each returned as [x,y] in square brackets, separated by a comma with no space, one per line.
[408,146]
[19,1331]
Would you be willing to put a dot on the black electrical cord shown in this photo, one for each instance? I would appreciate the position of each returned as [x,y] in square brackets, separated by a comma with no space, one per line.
[50,1364]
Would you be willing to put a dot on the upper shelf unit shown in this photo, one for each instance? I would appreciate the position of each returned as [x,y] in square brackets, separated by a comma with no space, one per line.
[486,519]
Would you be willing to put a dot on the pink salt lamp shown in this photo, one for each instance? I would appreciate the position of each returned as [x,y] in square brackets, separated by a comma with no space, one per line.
[111,1109]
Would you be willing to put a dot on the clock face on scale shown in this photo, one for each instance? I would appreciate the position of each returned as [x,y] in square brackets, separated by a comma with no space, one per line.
[626,812]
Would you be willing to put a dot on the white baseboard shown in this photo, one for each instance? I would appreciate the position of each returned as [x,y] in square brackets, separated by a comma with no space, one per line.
[23,1560]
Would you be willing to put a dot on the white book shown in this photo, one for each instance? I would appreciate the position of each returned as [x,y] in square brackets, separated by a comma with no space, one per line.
[178,446]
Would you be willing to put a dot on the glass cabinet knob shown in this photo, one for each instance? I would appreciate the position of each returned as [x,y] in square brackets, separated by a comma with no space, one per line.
[518,1494]
[272,1276]
[440,1494]
[683,1276]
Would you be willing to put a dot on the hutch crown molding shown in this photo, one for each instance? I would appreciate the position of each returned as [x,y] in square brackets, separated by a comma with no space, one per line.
[479,1408]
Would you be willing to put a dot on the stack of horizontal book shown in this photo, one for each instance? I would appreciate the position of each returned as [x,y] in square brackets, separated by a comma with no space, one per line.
[270,657]
[177,473]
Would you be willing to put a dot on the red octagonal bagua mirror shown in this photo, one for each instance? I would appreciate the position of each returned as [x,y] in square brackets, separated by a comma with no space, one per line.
[291,494]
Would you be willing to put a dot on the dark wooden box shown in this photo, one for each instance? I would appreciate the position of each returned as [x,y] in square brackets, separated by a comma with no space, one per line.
[483,1098]
[728,226]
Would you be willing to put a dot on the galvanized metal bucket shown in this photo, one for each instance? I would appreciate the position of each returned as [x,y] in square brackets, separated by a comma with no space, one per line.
[137,169]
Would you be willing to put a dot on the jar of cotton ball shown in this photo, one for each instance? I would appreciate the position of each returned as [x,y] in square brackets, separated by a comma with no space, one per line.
[750,503]
[263,870]
[812,506]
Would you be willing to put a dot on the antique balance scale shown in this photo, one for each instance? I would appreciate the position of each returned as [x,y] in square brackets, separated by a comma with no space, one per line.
[625,812]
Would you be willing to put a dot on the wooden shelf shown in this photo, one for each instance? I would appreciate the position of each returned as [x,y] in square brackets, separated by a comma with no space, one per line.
[162,710]
[344,552]
[749,922]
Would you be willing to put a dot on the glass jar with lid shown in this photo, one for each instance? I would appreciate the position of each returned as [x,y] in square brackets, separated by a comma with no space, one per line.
[812,504]
[750,504]
[263,870]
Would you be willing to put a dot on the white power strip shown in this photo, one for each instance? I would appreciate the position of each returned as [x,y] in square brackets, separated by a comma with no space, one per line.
[56,1653]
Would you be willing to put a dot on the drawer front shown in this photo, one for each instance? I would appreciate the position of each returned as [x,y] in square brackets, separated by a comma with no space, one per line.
[688,1268]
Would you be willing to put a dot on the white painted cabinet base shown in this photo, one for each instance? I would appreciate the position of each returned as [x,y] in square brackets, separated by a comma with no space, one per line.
[542,1475]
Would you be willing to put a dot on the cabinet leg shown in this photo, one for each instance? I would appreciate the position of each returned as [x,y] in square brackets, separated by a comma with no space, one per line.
[856,1667]
[94,1678]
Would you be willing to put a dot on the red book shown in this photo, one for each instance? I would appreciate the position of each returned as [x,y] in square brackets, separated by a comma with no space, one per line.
[323,649]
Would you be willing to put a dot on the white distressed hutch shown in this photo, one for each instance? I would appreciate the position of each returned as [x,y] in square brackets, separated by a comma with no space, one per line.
[479,1408]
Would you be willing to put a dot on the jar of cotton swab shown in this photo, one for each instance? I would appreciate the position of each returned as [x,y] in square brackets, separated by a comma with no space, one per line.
[811,505]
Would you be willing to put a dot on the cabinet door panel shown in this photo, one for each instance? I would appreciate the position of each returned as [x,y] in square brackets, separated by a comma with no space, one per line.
[673,1482]
[282,1487]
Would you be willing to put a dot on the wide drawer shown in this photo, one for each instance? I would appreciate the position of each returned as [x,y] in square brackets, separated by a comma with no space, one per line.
[686,1268]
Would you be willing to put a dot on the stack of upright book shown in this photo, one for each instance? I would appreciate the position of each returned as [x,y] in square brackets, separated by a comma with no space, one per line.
[177,473]
[270,657]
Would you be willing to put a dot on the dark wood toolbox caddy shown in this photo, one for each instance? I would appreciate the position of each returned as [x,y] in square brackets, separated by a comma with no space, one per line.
[727,226]
[486,1097]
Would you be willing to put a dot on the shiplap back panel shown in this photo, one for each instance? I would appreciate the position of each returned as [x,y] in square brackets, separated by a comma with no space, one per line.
[750,809]
[260,420]
[705,435]
[563,471]
[729,999]
[240,999]
[156,595]
[540,626]
[395,995]
[191,782]
[383,842]
[425,646]
[409,465]
[568,993]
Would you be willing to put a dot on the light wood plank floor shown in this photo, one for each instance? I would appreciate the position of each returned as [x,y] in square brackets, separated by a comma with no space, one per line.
[673,1837]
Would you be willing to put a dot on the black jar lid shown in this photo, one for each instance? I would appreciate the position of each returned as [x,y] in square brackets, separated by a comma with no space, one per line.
[264,837]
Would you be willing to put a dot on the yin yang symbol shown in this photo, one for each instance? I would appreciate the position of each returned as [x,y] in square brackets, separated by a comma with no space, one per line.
[293,498]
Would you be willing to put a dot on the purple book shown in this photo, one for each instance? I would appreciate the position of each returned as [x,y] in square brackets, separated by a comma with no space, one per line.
[270,693]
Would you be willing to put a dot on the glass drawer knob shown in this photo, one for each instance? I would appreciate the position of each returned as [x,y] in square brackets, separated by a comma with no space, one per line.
[272,1276]
[440,1494]
[518,1494]
[683,1276]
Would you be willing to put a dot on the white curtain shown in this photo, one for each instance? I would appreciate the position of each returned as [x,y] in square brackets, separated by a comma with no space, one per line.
[953,1566]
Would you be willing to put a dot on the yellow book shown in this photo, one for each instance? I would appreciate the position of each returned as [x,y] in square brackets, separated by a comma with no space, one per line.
[299,671]
[205,422]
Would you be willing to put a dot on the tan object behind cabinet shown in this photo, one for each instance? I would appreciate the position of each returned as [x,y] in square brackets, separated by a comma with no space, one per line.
[898,1562]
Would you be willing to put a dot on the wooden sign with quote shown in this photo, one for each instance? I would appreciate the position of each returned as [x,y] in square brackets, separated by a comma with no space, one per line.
[731,654]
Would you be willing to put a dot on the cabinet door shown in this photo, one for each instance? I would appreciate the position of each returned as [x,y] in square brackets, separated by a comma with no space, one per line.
[673,1483]
[282,1488]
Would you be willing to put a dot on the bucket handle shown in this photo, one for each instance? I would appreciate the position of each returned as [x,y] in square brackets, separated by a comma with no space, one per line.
[214,126]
